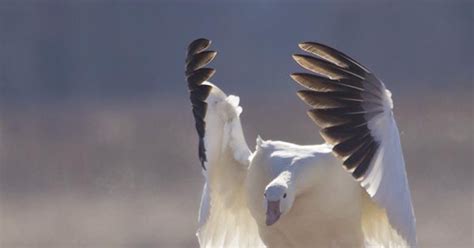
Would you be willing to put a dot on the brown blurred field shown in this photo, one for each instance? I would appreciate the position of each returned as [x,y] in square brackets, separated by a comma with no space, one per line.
[127,175]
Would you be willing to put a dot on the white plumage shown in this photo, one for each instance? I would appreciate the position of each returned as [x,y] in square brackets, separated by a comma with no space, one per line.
[287,195]
[224,218]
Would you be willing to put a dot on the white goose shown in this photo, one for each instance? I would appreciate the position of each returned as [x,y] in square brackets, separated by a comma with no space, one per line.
[287,195]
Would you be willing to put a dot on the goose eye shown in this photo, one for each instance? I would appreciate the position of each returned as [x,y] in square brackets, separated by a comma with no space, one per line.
[284,195]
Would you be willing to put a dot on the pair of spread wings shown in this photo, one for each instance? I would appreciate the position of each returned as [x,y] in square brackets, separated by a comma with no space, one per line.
[350,105]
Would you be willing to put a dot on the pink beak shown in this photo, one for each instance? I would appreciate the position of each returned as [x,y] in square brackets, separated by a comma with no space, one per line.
[273,212]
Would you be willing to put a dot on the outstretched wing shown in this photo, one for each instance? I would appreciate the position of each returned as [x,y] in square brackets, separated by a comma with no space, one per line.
[224,218]
[354,110]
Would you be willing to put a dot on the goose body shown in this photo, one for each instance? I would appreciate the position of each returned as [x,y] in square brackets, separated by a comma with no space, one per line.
[351,191]
[323,193]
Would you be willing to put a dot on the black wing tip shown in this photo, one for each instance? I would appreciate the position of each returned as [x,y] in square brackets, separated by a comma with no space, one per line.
[202,154]
[303,94]
[301,78]
[306,44]
[198,45]
[298,57]
[360,171]
[338,57]
[199,40]
[296,75]
[199,60]
[324,67]
[311,99]
[196,78]
[198,57]
[339,113]
[196,74]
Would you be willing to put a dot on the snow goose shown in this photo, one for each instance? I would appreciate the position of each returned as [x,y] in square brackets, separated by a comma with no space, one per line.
[288,195]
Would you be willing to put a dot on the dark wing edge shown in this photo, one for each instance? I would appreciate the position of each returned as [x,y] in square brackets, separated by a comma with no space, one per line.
[196,73]
[344,97]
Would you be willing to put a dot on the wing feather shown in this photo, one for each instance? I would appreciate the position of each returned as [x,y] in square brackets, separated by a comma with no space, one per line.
[354,110]
[224,219]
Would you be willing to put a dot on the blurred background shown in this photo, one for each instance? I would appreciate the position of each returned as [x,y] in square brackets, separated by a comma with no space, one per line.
[97,141]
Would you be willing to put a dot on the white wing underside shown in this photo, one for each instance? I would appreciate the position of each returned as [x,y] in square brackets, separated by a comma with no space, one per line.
[386,183]
[224,219]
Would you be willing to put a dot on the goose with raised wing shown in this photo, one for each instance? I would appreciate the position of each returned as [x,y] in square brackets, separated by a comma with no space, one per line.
[351,191]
